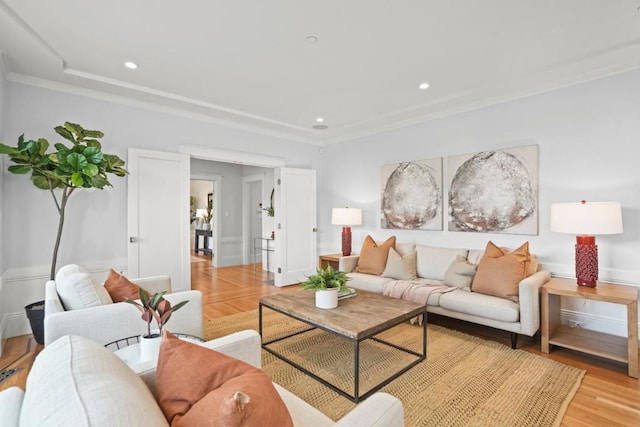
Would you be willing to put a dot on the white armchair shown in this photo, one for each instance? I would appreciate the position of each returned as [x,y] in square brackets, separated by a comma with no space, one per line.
[111,322]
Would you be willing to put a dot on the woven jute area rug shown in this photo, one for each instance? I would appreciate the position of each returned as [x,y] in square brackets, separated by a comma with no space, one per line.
[465,381]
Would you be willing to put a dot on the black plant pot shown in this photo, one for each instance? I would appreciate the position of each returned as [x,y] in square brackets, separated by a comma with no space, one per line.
[35,314]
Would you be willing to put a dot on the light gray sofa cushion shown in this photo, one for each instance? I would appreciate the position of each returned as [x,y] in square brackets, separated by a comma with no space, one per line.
[367,282]
[10,404]
[433,262]
[80,290]
[481,305]
[92,388]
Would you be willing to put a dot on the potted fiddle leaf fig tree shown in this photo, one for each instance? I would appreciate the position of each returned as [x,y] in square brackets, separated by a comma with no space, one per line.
[327,282]
[61,172]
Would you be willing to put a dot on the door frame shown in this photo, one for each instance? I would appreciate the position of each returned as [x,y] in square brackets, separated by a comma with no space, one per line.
[238,157]
[217,200]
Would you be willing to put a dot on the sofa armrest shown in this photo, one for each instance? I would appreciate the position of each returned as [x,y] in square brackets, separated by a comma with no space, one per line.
[380,410]
[52,302]
[348,263]
[244,345]
[111,322]
[10,405]
[529,294]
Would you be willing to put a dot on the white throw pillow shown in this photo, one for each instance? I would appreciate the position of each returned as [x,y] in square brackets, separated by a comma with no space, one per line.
[433,262]
[77,289]
[400,267]
[77,382]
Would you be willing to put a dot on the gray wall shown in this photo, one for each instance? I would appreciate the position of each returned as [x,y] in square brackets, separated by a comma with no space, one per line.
[2,165]
[589,147]
[95,233]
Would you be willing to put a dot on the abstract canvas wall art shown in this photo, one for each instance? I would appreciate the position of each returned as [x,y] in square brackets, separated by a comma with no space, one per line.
[494,191]
[412,195]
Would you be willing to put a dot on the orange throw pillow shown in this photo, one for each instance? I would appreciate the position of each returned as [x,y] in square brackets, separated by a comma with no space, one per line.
[197,386]
[373,257]
[500,271]
[120,288]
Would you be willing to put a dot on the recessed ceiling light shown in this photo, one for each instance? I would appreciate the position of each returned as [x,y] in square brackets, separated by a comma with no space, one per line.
[131,65]
[320,127]
[311,39]
[319,119]
[424,86]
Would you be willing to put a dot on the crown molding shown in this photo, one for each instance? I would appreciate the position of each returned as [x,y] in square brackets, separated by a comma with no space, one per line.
[151,106]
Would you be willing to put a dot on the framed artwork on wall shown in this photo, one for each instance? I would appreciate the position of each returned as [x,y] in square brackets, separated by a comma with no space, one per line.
[494,191]
[412,195]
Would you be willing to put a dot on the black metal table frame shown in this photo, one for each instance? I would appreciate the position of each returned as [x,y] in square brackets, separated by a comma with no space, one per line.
[355,397]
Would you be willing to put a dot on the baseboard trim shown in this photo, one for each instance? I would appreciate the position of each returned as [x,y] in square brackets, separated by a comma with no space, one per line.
[593,322]
[22,286]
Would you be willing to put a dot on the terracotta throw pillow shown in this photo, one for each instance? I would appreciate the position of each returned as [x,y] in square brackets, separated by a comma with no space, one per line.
[373,257]
[120,288]
[500,271]
[197,386]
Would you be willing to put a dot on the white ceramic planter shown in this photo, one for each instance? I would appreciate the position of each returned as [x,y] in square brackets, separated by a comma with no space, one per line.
[327,298]
[150,347]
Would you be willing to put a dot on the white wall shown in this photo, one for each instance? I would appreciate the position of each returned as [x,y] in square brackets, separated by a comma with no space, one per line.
[95,233]
[2,166]
[589,148]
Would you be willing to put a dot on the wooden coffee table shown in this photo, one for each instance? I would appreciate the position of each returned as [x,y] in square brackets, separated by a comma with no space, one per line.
[355,319]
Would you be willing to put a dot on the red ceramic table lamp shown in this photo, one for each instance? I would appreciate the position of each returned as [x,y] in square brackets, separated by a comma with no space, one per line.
[586,220]
[346,217]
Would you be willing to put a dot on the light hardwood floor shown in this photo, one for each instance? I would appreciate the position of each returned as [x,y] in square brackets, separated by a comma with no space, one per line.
[607,396]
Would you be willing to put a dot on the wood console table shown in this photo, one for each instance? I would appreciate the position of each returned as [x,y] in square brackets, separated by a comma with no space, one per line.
[330,259]
[205,248]
[621,349]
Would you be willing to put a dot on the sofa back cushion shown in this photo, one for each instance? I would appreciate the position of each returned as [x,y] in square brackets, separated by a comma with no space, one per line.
[500,271]
[77,289]
[433,262]
[404,249]
[373,257]
[196,385]
[77,382]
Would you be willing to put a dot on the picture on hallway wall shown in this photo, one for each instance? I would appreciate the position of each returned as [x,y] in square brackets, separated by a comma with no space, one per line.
[494,191]
[412,195]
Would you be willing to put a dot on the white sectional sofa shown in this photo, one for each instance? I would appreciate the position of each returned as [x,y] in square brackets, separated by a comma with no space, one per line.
[76,382]
[522,317]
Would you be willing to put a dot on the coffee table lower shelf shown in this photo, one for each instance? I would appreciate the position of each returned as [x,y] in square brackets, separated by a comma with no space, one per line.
[356,396]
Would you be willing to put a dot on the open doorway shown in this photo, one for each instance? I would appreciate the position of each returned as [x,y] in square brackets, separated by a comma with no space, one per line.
[204,207]
[201,217]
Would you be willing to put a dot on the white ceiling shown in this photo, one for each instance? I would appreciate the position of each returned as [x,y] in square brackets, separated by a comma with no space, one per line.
[246,63]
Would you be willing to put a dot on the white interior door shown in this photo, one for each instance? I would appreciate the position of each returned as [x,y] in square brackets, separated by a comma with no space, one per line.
[158,216]
[296,226]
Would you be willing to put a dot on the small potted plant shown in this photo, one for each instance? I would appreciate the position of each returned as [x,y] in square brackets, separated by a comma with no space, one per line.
[158,308]
[327,282]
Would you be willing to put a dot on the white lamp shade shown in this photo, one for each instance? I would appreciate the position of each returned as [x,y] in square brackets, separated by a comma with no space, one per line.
[346,216]
[586,218]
